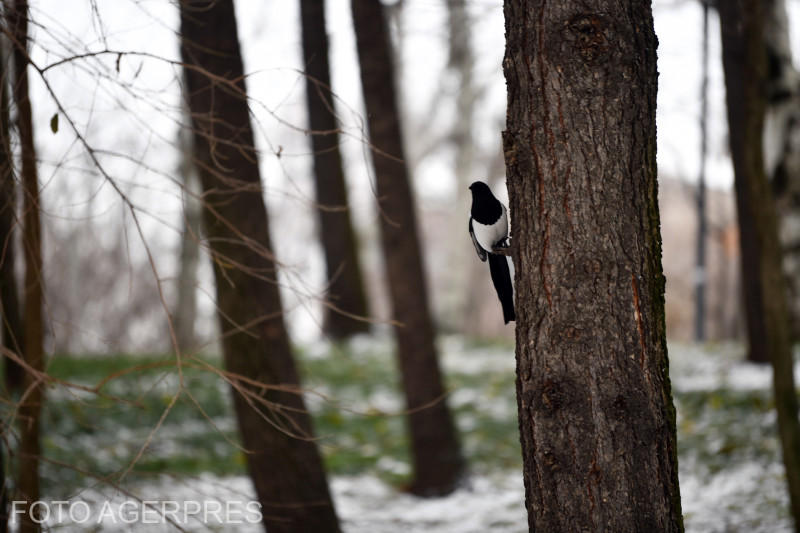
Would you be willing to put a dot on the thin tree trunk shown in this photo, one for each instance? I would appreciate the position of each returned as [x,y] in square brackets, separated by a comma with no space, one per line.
[597,423]
[33,391]
[437,461]
[746,126]
[782,147]
[462,281]
[744,61]
[12,332]
[346,295]
[185,314]
[4,490]
[702,227]
[284,463]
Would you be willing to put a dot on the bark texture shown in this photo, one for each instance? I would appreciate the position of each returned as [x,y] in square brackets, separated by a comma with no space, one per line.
[597,423]
[275,427]
[436,455]
[346,296]
[744,61]
[33,391]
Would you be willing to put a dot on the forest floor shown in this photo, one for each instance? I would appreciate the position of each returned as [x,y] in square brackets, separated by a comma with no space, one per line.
[730,471]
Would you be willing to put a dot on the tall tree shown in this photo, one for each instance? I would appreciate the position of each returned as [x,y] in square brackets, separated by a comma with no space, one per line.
[461,64]
[437,461]
[744,61]
[185,311]
[33,391]
[782,147]
[745,126]
[12,332]
[597,423]
[702,228]
[346,296]
[284,463]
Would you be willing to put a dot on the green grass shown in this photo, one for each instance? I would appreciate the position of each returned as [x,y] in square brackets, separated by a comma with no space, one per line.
[725,427]
[102,434]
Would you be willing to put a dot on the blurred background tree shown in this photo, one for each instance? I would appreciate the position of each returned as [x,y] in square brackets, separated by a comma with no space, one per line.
[346,302]
[435,450]
[276,431]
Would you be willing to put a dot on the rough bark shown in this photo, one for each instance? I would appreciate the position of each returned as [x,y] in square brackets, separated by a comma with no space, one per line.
[346,296]
[33,390]
[744,62]
[596,419]
[12,332]
[436,455]
[284,464]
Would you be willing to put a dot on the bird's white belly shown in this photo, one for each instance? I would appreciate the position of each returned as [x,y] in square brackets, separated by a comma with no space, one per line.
[489,236]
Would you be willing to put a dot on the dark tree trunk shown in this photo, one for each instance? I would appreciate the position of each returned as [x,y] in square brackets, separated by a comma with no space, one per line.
[744,61]
[700,280]
[12,332]
[33,390]
[597,423]
[346,296]
[284,464]
[4,490]
[438,464]
[782,154]
[745,124]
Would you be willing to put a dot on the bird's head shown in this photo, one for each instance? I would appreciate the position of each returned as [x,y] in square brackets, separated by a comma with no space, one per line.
[479,188]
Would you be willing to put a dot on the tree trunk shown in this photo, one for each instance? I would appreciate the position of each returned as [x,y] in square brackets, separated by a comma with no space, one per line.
[597,423]
[346,296]
[185,314]
[12,332]
[782,147]
[745,125]
[744,61]
[436,455]
[700,279]
[284,463]
[461,282]
[33,391]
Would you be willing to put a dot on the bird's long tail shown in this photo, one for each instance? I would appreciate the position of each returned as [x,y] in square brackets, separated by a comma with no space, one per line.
[501,278]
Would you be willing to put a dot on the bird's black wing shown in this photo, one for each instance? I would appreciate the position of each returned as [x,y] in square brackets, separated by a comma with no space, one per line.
[478,248]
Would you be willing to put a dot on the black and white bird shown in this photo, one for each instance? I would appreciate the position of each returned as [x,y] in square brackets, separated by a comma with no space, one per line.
[488,227]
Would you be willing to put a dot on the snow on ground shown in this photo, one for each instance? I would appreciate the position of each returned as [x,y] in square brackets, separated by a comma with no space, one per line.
[722,490]
[725,502]
[693,368]
[495,503]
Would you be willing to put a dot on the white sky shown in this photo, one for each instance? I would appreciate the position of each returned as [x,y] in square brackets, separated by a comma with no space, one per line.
[270,40]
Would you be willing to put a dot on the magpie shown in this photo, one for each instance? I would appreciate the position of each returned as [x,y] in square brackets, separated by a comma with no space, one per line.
[488,228]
